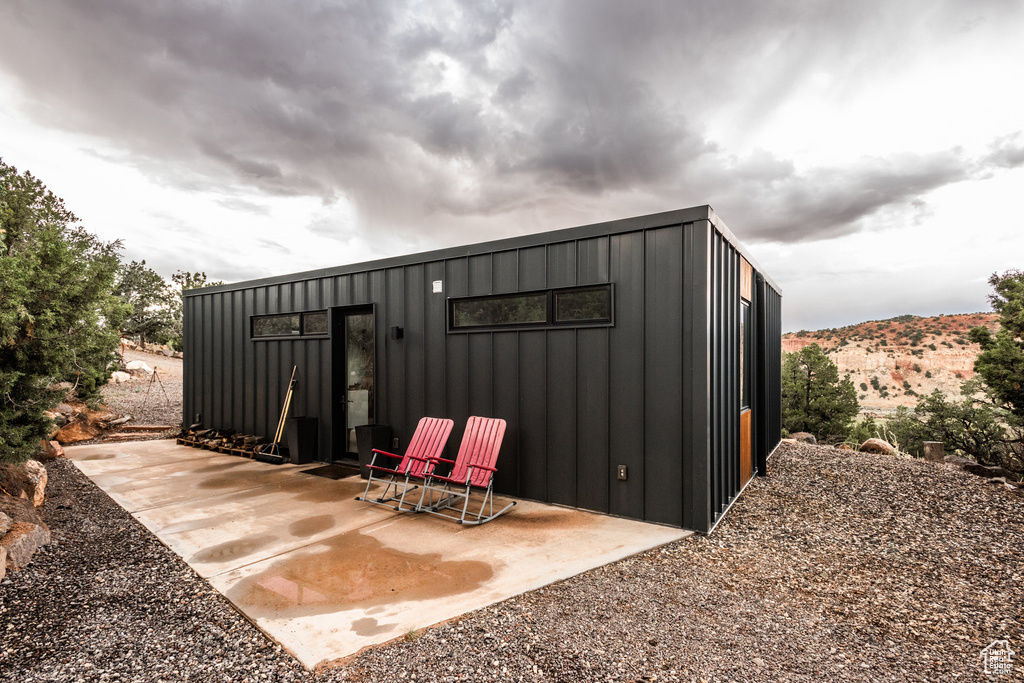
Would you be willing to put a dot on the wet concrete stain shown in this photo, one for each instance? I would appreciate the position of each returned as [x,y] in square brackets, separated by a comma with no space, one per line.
[328,491]
[98,456]
[304,528]
[192,525]
[233,550]
[217,467]
[369,627]
[232,479]
[548,519]
[350,570]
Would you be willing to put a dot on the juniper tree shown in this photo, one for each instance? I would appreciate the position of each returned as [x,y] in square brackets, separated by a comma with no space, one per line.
[814,398]
[58,318]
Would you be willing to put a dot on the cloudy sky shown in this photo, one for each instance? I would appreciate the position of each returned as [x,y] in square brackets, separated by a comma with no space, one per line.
[871,154]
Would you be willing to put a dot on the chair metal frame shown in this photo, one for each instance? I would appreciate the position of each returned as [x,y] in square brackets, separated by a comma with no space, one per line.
[427,443]
[473,468]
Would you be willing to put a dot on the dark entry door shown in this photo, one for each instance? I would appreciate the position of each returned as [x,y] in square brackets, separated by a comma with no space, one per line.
[353,393]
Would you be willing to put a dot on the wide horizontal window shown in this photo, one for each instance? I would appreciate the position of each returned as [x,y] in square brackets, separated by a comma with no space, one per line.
[311,324]
[570,306]
[501,310]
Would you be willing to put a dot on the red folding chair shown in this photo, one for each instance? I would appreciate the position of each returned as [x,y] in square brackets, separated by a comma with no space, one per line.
[420,457]
[472,468]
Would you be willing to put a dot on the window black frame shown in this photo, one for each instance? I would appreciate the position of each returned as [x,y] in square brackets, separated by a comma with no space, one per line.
[302,325]
[549,322]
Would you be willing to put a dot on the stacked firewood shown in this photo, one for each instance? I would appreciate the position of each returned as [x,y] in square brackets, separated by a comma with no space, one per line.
[224,440]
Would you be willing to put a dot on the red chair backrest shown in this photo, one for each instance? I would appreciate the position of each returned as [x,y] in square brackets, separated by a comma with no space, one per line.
[480,446]
[427,442]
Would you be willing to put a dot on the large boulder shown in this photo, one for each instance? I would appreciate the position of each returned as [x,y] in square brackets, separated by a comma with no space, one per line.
[19,510]
[804,437]
[878,446]
[79,430]
[51,450]
[37,482]
[118,377]
[22,542]
[26,481]
[138,368]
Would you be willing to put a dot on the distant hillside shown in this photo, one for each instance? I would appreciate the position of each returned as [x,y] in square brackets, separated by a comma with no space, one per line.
[892,362]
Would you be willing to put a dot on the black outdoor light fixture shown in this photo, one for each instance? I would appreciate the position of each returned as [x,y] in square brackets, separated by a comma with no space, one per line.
[397,332]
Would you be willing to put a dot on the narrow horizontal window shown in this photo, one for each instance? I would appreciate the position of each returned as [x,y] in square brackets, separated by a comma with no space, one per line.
[276,325]
[311,324]
[576,306]
[513,309]
[583,305]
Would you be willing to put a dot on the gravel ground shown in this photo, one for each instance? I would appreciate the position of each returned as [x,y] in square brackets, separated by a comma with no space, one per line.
[839,566]
[155,402]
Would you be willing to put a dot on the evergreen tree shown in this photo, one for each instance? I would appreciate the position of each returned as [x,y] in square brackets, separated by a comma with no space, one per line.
[1001,361]
[814,398]
[58,319]
[151,301]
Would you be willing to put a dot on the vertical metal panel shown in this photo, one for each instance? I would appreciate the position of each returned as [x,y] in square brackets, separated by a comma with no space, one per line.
[188,382]
[696,347]
[505,377]
[413,348]
[478,275]
[239,345]
[533,415]
[561,265]
[592,261]
[209,335]
[505,275]
[626,372]
[457,378]
[393,314]
[532,268]
[593,467]
[663,329]
[725,424]
[343,290]
[506,406]
[435,340]
[561,416]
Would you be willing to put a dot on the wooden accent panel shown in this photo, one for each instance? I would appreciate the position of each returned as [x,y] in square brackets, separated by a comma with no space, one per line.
[746,280]
[746,470]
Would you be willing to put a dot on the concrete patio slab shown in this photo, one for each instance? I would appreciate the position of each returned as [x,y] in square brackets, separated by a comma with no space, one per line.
[326,575]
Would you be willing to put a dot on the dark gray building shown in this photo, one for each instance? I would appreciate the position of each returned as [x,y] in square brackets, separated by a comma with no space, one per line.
[637,362]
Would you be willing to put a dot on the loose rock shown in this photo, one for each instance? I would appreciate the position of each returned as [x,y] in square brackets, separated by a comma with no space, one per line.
[804,437]
[36,475]
[878,446]
[22,542]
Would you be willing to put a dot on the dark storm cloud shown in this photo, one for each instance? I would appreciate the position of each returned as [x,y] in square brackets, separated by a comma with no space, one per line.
[430,115]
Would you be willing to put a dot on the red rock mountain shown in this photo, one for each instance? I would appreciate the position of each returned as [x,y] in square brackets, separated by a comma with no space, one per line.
[893,362]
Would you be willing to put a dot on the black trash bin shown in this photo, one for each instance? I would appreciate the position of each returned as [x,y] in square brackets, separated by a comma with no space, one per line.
[369,437]
[300,436]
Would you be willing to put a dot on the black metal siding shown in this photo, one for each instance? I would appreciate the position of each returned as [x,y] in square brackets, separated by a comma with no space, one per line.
[656,391]
[724,389]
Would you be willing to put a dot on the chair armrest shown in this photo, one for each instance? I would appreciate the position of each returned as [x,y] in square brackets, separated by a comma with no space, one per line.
[390,455]
[442,460]
[416,457]
[484,467]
